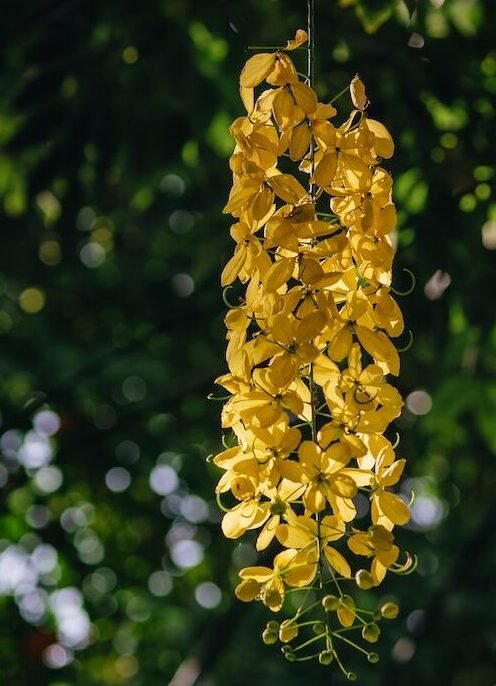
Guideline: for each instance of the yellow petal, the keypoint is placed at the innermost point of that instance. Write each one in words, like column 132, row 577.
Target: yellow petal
column 282, row 371
column 260, row 574
column 260, row 205
column 293, row 536
column 283, row 108
column 391, row 475
column 340, row 344
column 314, row 499
column 248, row 98
column 300, row 38
column 310, row 271
column 303, row 570
column 343, row 486
column 324, row 370
column 383, row 143
column 272, row 594
column 284, row 71
column 356, row 173
column 267, row 534
column 324, row 111
column 279, row 273
column 291, row 470
column 232, row 524
column 310, row 326
column 378, row 571
column 337, row 561
column 239, row 196
column 305, row 97
column 326, row 170
column 346, row 611
column 300, row 141
column 233, row 267
column 357, row 92
column 257, row 69
column 324, row 133
column 394, row 508
column 332, row 528
column 247, row 590
column 360, row 545
column 286, row 187
column 377, row 344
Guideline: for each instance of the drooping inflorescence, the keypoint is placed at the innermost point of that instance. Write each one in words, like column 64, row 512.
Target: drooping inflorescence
column 309, row 349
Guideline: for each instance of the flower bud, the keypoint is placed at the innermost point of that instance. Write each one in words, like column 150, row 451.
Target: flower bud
column 330, row 603
column 364, row 579
column 319, row 628
column 373, row 658
column 326, row 657
column 390, row 610
column 371, row 633
column 269, row 637
column 288, row 630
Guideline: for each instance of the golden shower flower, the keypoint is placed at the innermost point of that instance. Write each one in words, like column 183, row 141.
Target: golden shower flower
column 309, row 350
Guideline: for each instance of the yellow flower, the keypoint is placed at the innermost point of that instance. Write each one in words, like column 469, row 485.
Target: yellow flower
column 304, row 533
column 387, row 508
column 325, row 476
column 377, row 542
column 293, row 567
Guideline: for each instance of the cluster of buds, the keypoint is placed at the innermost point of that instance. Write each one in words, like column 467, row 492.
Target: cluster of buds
column 309, row 349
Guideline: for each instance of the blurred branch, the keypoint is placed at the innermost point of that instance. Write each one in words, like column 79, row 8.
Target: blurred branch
column 214, row 640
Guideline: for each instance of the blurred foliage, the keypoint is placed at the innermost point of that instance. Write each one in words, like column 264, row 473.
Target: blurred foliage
column 113, row 172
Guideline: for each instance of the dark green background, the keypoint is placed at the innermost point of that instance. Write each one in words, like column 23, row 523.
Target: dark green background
column 113, row 174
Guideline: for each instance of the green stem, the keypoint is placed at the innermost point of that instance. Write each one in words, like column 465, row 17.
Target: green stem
column 351, row 643
column 311, row 42
column 336, row 97
column 319, row 637
column 272, row 47
column 311, row 74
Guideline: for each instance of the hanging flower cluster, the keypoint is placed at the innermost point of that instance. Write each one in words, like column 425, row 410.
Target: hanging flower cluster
column 309, row 348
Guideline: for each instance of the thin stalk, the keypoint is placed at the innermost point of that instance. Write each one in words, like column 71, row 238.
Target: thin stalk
column 319, row 637
column 351, row 643
column 311, row 42
column 336, row 97
column 311, row 74
column 271, row 47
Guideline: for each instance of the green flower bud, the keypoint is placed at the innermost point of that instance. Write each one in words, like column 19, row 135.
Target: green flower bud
column 272, row 625
column 371, row 633
column 319, row 628
column 364, row 579
column 373, row 658
column 330, row 603
column 269, row 637
column 290, row 657
column 351, row 676
column 326, row 657
column 389, row 610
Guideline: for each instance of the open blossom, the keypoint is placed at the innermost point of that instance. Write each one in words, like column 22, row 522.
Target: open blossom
column 309, row 347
